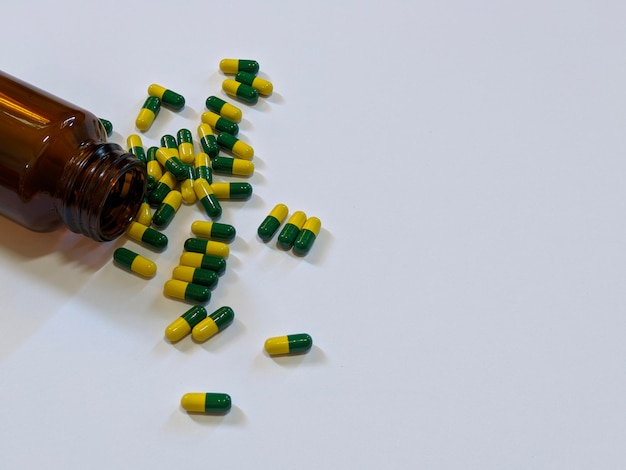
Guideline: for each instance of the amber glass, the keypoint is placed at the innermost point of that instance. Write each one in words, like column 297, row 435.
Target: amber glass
column 56, row 167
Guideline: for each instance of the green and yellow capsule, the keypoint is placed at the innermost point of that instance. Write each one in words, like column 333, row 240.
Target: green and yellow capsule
column 182, row 326
column 307, row 235
column 232, row 66
column 187, row 291
column 207, row 198
column 239, row 90
column 163, row 187
column 270, row 225
column 144, row 214
column 108, row 126
column 166, row 211
column 207, row 140
column 291, row 230
column 213, row 403
column 198, row 260
column 219, row 123
column 204, row 277
column 203, row 167
column 185, row 146
column 135, row 146
column 224, row 109
column 148, row 113
column 207, row 247
column 168, row 158
column 232, row 166
column 237, row 191
column 170, row 98
column 214, row 231
column 238, row 147
column 213, row 324
column 135, row 262
column 186, row 187
column 289, row 344
column 146, row 235
column 264, row 87
column 153, row 167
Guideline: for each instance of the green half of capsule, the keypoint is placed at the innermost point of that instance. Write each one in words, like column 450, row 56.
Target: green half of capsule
column 198, row 260
column 237, row 191
column 291, row 230
column 183, row 325
column 135, row 146
column 207, row 198
column 187, row 291
column 169, row 142
column 270, row 225
column 238, row 147
column 219, row 123
column 289, row 344
column 204, row 277
column 166, row 211
column 224, row 109
column 264, row 87
column 207, row 247
column 214, row 403
column 108, row 126
column 239, row 90
column 146, row 235
column 232, row 166
column 214, row 231
column 169, row 98
column 213, row 324
column 303, row 243
column 207, row 140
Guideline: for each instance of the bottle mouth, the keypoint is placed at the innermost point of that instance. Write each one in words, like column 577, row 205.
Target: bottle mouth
column 121, row 203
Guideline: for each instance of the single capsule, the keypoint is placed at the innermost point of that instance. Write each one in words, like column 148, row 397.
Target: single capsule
column 307, row 235
column 166, row 211
column 289, row 344
column 219, row 123
column 170, row 98
column 144, row 234
column 144, row 214
column 212, row 324
column 168, row 158
column 187, row 291
column 290, row 231
column 214, row 403
column 149, row 112
column 238, row 147
column 163, row 187
column 153, row 167
column 207, row 198
column 207, row 140
column 264, row 87
column 203, row 167
column 239, row 90
column 270, row 225
column 232, row 166
column 135, row 262
column 186, row 187
column 214, row 231
column 224, row 109
column 182, row 326
column 232, row 190
column 232, row 66
column 185, row 146
column 108, row 126
column 135, row 146
column 203, row 277
column 198, row 260
column 207, row 247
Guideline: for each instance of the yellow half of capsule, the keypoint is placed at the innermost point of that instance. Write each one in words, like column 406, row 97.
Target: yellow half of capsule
column 175, row 288
column 154, row 169
column 186, row 152
column 202, row 159
column 136, row 230
column 313, row 224
column 242, row 167
column 168, row 179
column 210, row 118
column 144, row 119
column 187, row 191
column 230, row 87
column 279, row 212
column 204, row 129
column 183, row 273
column 177, row 330
column 218, row 249
column 156, row 90
column 298, row 219
column 202, row 188
column 164, row 154
column 277, row 345
column 243, row 150
column 191, row 259
column 201, row 228
column 133, row 141
column 144, row 215
column 143, row 266
column 193, row 402
column 229, row 66
column 204, row 330
column 174, row 199
column 264, row 87
column 231, row 112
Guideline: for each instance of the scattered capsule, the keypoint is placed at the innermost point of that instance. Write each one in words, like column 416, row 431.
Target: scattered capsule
column 270, row 225
column 163, row 187
column 187, row 291
column 149, row 112
column 289, row 344
column 135, row 146
column 232, row 190
column 290, row 231
column 232, row 66
column 168, row 158
column 186, row 187
column 203, row 167
column 214, row 403
column 213, row 324
column 166, row 211
column 144, row 214
column 213, row 230
column 182, row 326
column 238, row 147
column 185, row 146
column 239, row 90
column 198, row 260
column 204, row 277
column 307, row 235
column 224, row 109
column 232, row 166
column 153, row 167
column 170, row 98
column 144, row 234
column 264, row 87
column 108, row 126
column 207, row 247
column 207, row 140
column 135, row 262
column 219, row 123
column 207, row 198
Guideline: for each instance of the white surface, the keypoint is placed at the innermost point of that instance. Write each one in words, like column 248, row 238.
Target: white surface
column 466, row 294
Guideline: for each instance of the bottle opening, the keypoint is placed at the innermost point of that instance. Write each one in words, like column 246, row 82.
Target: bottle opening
column 122, row 203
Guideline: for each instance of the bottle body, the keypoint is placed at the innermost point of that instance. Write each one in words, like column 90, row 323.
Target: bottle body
column 57, row 169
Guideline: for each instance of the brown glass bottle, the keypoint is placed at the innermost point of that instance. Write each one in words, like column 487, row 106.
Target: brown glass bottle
column 56, row 167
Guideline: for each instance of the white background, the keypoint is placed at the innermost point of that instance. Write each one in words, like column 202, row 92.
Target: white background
column 465, row 295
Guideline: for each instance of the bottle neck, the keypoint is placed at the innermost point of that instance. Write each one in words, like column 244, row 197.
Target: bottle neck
column 100, row 191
